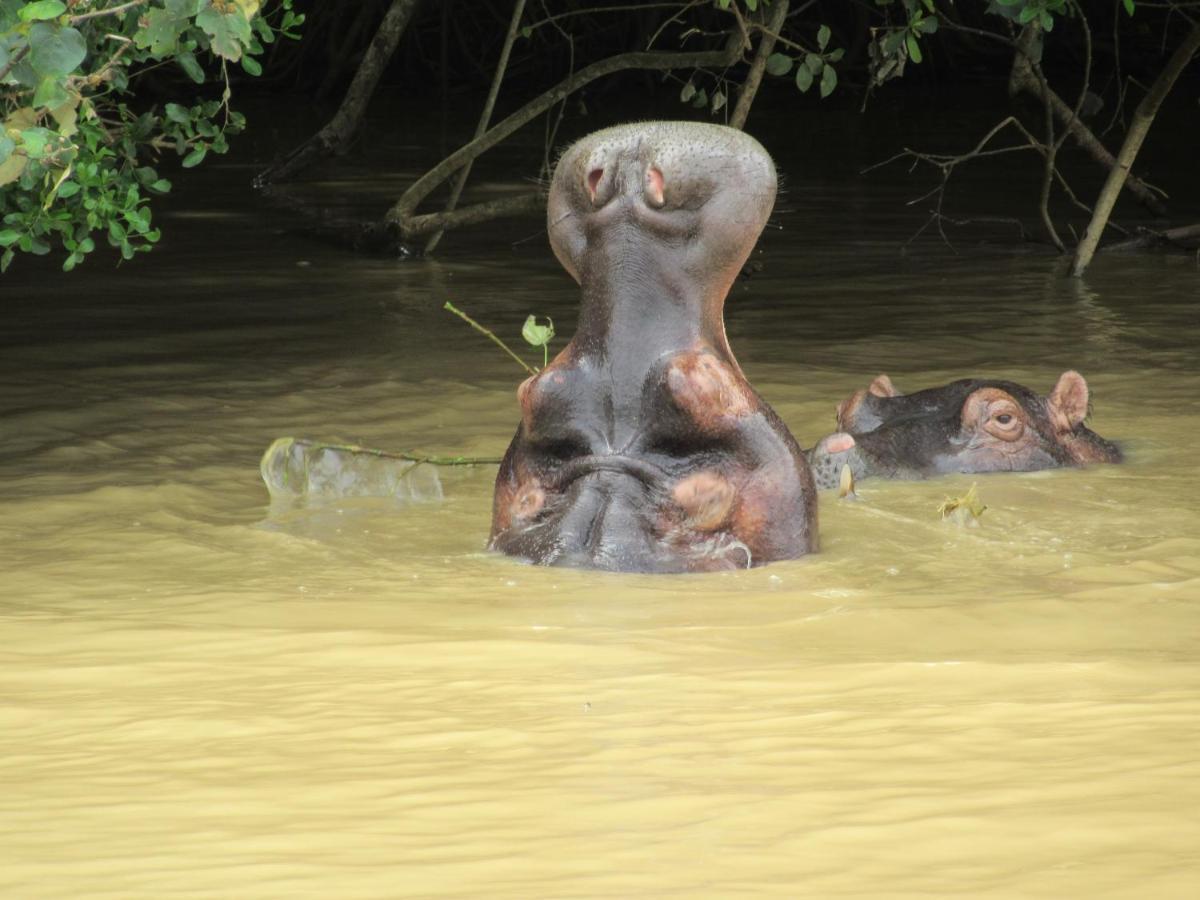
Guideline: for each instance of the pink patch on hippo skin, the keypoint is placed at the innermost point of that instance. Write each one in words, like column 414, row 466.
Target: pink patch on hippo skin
column 654, row 188
column 706, row 498
column 709, row 391
column 593, row 182
column 528, row 501
column 837, row 443
column 882, row 387
column 529, row 390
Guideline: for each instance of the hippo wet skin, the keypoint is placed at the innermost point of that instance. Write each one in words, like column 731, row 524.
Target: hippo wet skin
column 968, row 426
column 642, row 447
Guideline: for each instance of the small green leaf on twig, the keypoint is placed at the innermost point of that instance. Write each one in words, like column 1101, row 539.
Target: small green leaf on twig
column 965, row 510
column 539, row 336
column 492, row 336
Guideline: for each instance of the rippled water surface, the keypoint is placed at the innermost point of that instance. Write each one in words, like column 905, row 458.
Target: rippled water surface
column 206, row 696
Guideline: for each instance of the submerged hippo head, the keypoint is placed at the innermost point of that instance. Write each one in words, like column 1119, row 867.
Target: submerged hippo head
column 972, row 425
column 642, row 447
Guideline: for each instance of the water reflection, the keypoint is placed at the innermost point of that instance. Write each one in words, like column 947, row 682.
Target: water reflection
column 357, row 700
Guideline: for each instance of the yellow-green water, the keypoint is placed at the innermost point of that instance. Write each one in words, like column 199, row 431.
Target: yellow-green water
column 205, row 697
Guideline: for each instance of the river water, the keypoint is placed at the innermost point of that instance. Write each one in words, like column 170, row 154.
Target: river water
column 205, row 695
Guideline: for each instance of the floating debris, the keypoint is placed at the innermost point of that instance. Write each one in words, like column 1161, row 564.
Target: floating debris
column 846, row 484
column 964, row 510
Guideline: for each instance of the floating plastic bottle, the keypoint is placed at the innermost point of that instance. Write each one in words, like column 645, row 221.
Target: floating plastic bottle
column 301, row 469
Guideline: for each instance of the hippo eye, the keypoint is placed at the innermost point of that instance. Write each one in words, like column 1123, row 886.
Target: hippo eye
column 1005, row 425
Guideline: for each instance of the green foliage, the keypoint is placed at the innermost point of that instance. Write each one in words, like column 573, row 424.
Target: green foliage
column 1025, row 11
column 77, row 153
column 815, row 66
column 539, row 336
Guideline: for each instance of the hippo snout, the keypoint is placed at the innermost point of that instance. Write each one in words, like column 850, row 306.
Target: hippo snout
column 828, row 457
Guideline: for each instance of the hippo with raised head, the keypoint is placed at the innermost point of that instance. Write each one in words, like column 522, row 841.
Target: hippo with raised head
column 642, row 447
column 967, row 426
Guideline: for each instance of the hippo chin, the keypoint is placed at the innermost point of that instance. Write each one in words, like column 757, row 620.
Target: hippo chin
column 967, row 426
column 642, row 447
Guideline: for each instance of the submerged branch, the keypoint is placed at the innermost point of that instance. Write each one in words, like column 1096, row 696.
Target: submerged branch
column 484, row 118
column 1143, row 118
column 401, row 213
column 335, row 137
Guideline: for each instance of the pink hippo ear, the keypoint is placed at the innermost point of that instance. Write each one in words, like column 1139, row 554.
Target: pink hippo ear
column 882, row 387
column 1068, row 401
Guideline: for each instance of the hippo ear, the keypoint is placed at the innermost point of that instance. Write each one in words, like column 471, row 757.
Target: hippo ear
column 882, row 387
column 1069, row 401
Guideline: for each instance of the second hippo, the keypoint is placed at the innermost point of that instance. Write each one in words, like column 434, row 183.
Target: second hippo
column 967, row 426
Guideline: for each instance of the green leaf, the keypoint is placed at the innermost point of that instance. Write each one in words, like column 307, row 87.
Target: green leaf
column 537, row 335
column 823, row 36
column 252, row 65
column 196, row 157
column 814, row 63
column 68, row 189
column 804, row 78
column 1047, row 21
column 42, row 10
column 828, row 81
column 229, row 32
column 751, row 5
column 187, row 62
column 178, row 114
column 8, row 236
column 779, row 64
column 701, row 99
column 914, row 48
column 1128, row 4
column 49, row 93
column 162, row 28
column 891, row 41
column 1028, row 14
column 160, row 187
column 835, row 55
column 35, row 141
column 6, row 261
column 55, row 51
column 688, row 92
column 928, row 26
column 718, row 101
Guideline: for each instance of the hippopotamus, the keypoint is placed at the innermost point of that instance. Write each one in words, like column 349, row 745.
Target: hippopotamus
column 967, row 426
column 641, row 446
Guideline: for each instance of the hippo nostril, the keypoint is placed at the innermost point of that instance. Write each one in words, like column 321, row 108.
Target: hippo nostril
column 654, row 187
column 593, row 182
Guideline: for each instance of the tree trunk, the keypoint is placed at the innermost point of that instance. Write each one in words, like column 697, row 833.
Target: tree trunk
column 402, row 214
column 766, row 43
column 1143, row 118
column 484, row 118
column 335, row 136
column 1022, row 78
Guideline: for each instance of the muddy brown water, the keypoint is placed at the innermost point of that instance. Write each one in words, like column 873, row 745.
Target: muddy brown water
column 205, row 696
